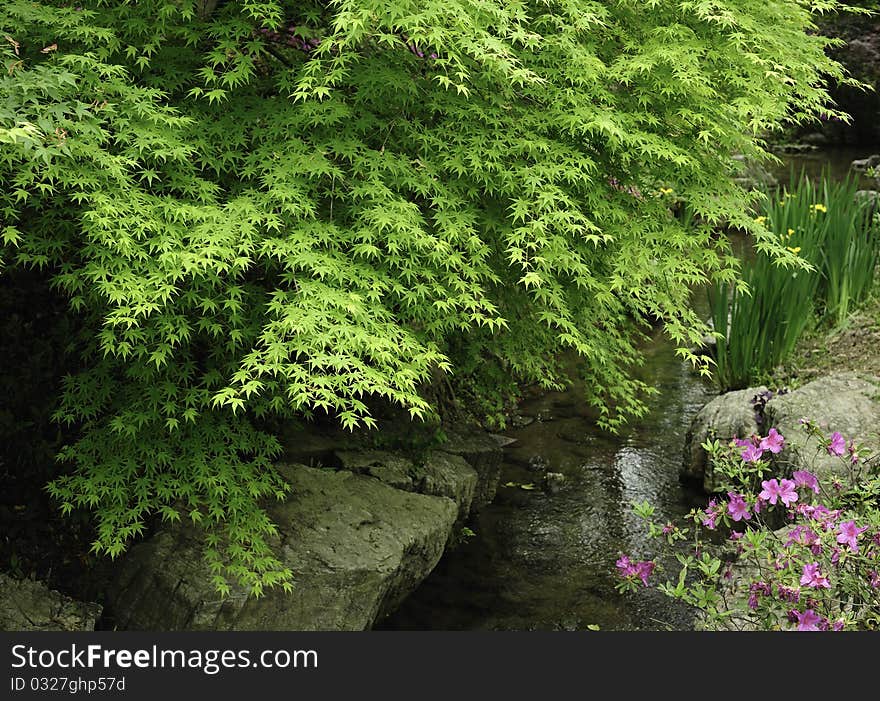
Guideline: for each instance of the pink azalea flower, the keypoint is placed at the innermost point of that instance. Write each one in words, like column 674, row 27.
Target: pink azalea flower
column 712, row 514
column 849, row 533
column 737, row 507
column 774, row 442
column 644, row 569
column 761, row 587
column 853, row 453
column 625, row 566
column 813, row 577
column 824, row 516
column 630, row 568
column 752, row 453
column 874, row 579
column 790, row 594
column 787, row 492
column 770, row 491
column 803, row 478
column 796, row 537
column 837, row 445
column 783, row 491
column 808, row 620
column 801, row 535
column 756, row 589
column 838, row 625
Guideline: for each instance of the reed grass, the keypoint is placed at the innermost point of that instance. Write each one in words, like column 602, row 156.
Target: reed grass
column 824, row 223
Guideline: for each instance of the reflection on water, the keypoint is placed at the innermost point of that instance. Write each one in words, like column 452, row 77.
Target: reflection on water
column 837, row 162
column 544, row 561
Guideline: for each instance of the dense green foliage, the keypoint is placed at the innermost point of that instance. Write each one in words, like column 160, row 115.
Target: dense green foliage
column 759, row 325
column 845, row 247
column 834, row 232
column 269, row 208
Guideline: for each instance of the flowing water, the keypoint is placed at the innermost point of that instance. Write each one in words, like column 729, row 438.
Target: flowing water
column 542, row 560
column 835, row 161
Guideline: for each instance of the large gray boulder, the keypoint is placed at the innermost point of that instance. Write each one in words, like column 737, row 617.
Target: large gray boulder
column 28, row 605
column 729, row 415
column 869, row 199
column 446, row 475
column 392, row 469
column 438, row 474
column 483, row 453
column 334, row 447
column 843, row 402
column 356, row 547
column 863, row 164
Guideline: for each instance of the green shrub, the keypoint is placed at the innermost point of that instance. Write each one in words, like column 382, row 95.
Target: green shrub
column 802, row 546
column 759, row 326
column 836, row 233
column 275, row 208
column 761, row 320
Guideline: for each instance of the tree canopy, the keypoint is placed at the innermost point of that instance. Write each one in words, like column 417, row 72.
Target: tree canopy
column 274, row 208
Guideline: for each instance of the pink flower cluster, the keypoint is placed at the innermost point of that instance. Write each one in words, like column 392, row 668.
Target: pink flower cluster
column 837, row 446
column 802, row 478
column 712, row 512
column 849, row 533
column 813, row 577
column 805, row 537
column 757, row 589
column 790, row 594
column 826, row 548
column 737, row 507
column 755, row 446
column 810, row 620
column 773, row 491
column 635, row 568
column 824, row 517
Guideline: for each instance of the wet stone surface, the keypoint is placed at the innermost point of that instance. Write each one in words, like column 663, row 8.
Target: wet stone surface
column 543, row 556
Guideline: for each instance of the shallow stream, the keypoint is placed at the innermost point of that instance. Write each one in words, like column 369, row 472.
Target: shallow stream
column 544, row 560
